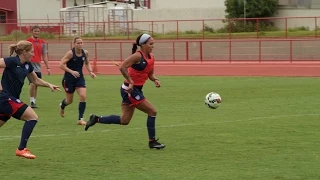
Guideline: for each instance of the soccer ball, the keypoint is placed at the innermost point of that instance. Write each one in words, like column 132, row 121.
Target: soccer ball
column 212, row 100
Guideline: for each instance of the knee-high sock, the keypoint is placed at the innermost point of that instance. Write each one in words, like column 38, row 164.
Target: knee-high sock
column 26, row 132
column 151, row 123
column 112, row 119
column 82, row 108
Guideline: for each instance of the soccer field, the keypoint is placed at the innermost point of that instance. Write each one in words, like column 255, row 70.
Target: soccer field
column 266, row 128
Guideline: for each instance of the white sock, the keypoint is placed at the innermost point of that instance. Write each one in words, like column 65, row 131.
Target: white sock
column 32, row 99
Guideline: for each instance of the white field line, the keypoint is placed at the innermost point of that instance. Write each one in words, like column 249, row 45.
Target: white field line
column 4, row 138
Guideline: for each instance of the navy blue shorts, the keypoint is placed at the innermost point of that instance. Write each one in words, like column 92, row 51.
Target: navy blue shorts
column 11, row 107
column 38, row 74
column 70, row 85
column 134, row 98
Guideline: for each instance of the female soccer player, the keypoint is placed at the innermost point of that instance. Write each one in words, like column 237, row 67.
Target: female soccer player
column 16, row 69
column 73, row 79
column 136, row 69
column 40, row 51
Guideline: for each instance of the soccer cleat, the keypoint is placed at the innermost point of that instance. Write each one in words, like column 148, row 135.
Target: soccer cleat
column 61, row 111
column 92, row 121
column 81, row 122
column 33, row 105
column 25, row 153
column 154, row 144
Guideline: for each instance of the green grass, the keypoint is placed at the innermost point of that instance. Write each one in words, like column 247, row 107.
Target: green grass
column 175, row 35
column 266, row 128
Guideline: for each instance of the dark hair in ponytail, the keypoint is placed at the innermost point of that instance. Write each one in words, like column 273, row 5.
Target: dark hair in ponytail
column 134, row 48
column 136, row 44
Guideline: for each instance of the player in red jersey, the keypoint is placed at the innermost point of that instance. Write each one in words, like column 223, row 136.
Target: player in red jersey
column 136, row 69
column 40, row 52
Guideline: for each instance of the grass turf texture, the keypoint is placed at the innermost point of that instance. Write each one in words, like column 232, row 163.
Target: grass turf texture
column 265, row 128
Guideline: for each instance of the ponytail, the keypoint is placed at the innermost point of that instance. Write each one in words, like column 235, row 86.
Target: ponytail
column 20, row 47
column 134, row 48
column 12, row 49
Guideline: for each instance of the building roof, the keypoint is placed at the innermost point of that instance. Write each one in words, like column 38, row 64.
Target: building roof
column 5, row 9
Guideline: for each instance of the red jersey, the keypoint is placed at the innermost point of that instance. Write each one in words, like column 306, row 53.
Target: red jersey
column 139, row 73
column 39, row 47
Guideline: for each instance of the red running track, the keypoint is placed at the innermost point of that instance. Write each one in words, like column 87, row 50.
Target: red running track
column 297, row 68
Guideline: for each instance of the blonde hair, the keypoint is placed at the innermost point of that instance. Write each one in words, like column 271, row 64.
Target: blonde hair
column 20, row 47
column 76, row 38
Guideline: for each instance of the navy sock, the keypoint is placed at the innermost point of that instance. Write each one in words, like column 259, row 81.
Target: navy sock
column 151, row 123
column 63, row 104
column 82, row 108
column 26, row 132
column 112, row 119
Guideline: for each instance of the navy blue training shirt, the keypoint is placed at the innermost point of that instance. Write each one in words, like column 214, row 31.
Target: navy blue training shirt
column 14, row 75
column 76, row 63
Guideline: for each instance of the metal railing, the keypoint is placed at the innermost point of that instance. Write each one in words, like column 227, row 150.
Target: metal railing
column 254, row 50
column 277, row 27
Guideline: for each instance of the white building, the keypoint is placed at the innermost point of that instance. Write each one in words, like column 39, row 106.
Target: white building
column 55, row 16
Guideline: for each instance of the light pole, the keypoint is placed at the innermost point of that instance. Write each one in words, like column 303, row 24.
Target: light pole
column 244, row 11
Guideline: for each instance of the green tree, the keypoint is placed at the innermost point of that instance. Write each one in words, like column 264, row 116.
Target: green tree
column 253, row 8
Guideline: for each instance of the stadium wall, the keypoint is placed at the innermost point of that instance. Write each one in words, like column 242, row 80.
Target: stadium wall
column 47, row 11
column 298, row 22
column 178, row 14
column 40, row 11
column 181, row 4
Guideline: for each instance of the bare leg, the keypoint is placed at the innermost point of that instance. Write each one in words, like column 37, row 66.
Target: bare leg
column 67, row 101
column 127, row 113
column 2, row 123
column 33, row 95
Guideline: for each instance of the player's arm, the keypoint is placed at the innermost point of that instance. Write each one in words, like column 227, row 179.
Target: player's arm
column 2, row 63
column 88, row 65
column 39, row 82
column 86, row 62
column 63, row 64
column 64, row 60
column 8, row 62
column 133, row 59
column 45, row 56
column 153, row 78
